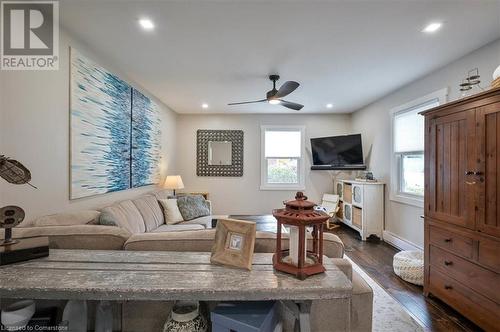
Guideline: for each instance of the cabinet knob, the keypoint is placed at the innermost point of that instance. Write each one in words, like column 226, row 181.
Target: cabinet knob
column 448, row 287
column 447, row 263
column 448, row 240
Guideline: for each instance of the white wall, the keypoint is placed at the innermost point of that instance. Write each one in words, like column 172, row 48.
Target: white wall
column 242, row 195
column 374, row 122
column 34, row 128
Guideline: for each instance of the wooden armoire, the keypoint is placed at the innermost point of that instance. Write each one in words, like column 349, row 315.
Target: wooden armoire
column 462, row 206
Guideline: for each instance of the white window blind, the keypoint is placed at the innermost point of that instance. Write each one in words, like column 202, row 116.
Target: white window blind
column 409, row 128
column 282, row 144
column 282, row 157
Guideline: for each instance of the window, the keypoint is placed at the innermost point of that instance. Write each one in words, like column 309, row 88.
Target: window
column 407, row 169
column 282, row 166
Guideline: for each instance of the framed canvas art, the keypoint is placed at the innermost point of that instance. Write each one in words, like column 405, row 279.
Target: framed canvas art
column 146, row 140
column 115, row 132
column 100, row 112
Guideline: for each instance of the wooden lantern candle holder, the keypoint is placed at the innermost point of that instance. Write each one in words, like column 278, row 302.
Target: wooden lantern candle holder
column 299, row 214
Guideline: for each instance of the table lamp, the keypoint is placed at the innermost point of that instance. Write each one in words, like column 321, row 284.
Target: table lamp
column 173, row 182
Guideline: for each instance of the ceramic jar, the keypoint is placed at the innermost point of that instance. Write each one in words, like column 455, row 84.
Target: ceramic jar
column 186, row 317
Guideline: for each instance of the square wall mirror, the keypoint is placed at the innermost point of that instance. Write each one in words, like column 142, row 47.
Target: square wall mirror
column 220, row 153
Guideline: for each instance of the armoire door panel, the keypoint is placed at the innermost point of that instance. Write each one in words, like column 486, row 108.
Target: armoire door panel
column 488, row 195
column 451, row 156
column 462, row 206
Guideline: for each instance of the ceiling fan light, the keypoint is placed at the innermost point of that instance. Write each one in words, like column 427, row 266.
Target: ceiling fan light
column 274, row 101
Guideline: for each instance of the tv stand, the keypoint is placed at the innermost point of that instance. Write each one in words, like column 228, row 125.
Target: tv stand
column 338, row 167
column 361, row 206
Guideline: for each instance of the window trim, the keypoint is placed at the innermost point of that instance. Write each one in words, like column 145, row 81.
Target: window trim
column 399, row 170
column 395, row 193
column 264, row 185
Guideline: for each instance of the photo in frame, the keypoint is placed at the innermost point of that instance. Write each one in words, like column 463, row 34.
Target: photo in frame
column 234, row 243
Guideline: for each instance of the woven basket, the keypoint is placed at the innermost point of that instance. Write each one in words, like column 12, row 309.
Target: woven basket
column 496, row 83
column 409, row 266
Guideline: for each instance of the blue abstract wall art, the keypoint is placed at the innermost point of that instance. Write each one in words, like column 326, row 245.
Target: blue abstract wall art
column 146, row 140
column 115, row 141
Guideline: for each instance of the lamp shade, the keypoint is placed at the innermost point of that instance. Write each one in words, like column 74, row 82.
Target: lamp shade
column 173, row 182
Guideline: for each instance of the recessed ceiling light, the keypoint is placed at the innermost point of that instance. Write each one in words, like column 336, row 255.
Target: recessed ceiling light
column 274, row 101
column 329, row 105
column 146, row 24
column 204, row 105
column 433, row 27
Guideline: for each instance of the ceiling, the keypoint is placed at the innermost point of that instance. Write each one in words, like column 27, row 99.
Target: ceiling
column 348, row 53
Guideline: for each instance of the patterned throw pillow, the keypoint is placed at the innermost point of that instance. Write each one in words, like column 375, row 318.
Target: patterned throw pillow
column 107, row 219
column 193, row 207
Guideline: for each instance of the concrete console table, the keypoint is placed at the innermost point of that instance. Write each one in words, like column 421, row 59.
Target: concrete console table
column 165, row 276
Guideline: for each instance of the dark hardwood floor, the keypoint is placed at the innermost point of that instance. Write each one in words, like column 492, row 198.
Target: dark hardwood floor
column 375, row 257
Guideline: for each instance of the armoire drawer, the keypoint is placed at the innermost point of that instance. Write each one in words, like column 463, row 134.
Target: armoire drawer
column 479, row 309
column 459, row 244
column 489, row 254
column 481, row 280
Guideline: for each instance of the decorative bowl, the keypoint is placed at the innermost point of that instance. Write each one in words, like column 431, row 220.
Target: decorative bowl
column 496, row 73
column 18, row 314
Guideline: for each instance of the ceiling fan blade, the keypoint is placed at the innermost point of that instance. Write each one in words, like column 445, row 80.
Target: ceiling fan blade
column 249, row 102
column 293, row 106
column 287, row 88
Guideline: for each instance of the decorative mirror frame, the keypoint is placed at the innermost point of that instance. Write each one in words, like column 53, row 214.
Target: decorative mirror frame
column 203, row 136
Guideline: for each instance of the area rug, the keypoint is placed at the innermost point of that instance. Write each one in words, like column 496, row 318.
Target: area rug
column 388, row 314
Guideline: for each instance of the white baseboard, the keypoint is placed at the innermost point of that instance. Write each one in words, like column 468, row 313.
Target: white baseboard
column 400, row 243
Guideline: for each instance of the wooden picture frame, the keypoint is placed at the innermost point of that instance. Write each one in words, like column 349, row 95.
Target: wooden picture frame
column 234, row 243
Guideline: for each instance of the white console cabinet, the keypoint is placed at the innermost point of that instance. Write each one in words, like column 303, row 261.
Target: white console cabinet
column 361, row 206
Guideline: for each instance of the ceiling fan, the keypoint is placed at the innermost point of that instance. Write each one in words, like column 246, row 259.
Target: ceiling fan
column 274, row 96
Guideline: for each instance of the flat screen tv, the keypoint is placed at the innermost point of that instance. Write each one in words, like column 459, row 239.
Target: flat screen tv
column 337, row 151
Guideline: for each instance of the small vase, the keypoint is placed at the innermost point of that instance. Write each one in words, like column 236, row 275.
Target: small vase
column 186, row 317
column 104, row 317
column 74, row 316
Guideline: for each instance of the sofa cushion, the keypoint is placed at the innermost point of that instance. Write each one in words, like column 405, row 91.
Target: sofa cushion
column 198, row 240
column 344, row 265
column 92, row 237
column 178, row 228
column 69, row 218
column 150, row 211
column 171, row 211
column 204, row 240
column 205, row 221
column 193, row 206
column 361, row 304
column 126, row 215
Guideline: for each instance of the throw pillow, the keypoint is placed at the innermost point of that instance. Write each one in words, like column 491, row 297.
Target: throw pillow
column 107, row 219
column 68, row 219
column 192, row 207
column 171, row 211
